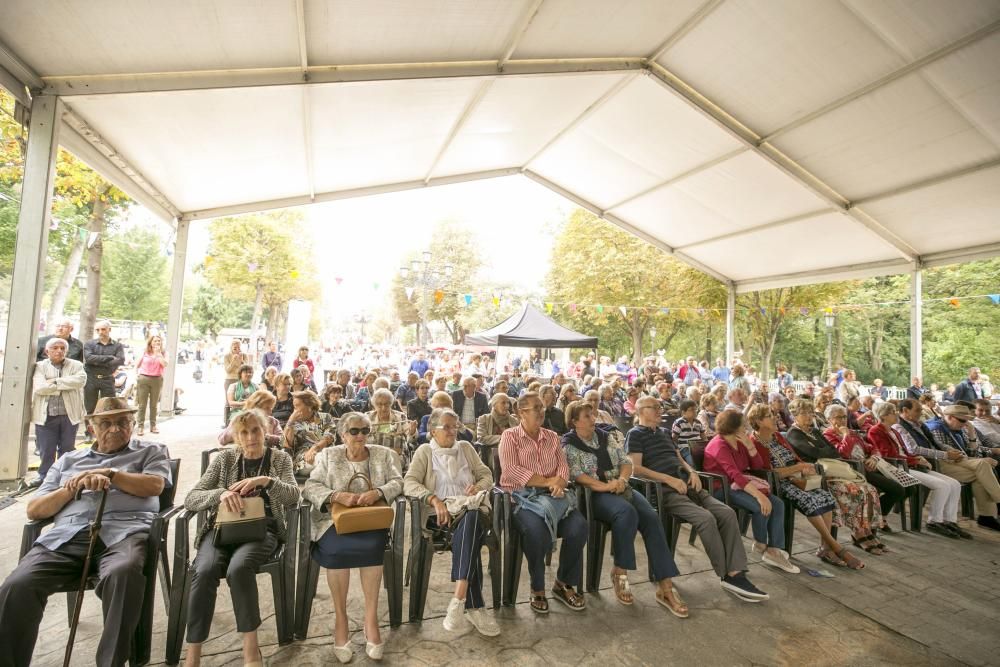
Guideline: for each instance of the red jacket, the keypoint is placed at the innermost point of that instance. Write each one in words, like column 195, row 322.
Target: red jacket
column 888, row 444
column 845, row 444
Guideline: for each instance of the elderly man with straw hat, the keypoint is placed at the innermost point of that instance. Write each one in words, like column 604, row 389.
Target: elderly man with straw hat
column 134, row 473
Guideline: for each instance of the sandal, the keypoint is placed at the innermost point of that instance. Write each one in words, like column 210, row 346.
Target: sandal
column 673, row 602
column 828, row 556
column 140, row 432
column 568, row 596
column 621, row 586
column 153, row 429
column 868, row 543
column 539, row 604
column 850, row 559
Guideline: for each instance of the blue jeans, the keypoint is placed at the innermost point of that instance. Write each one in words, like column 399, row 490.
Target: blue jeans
column 767, row 529
column 536, row 541
column 628, row 517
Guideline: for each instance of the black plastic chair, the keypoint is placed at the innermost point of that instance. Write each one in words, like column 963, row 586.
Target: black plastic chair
column 280, row 567
column 155, row 567
column 308, row 570
column 422, row 550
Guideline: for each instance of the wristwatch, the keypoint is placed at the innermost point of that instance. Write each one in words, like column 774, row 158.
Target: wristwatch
column 111, row 474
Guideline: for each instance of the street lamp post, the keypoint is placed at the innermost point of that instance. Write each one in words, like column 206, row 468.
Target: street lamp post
column 423, row 275
column 829, row 319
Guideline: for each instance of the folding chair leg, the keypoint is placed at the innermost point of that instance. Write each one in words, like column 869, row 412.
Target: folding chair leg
column 177, row 616
column 279, row 589
column 309, row 579
column 495, row 568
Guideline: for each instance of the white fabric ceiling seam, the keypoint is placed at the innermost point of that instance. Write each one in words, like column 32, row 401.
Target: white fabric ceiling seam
column 881, row 82
column 470, row 106
column 927, row 182
column 520, row 28
column 689, row 24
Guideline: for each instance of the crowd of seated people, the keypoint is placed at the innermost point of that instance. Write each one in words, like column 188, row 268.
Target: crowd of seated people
column 818, row 451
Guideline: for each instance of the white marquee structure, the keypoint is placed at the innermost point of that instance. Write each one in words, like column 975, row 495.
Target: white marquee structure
column 765, row 142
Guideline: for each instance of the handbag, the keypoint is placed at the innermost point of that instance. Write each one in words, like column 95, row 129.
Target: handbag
column 807, row 482
column 359, row 519
column 897, row 475
column 840, row 471
column 247, row 525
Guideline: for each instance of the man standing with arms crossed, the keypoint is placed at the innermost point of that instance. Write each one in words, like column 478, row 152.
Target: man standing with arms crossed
column 101, row 358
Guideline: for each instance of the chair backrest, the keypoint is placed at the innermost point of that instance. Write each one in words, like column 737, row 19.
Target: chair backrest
column 698, row 455
column 170, row 490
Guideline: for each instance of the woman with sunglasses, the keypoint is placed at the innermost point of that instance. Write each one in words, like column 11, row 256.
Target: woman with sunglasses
column 330, row 482
column 453, row 485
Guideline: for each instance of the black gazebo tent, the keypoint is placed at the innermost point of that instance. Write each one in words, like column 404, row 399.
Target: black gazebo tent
column 530, row 328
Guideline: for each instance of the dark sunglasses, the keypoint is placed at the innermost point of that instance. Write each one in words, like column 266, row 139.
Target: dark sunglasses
column 364, row 430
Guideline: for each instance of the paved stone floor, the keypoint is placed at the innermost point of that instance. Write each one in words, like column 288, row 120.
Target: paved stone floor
column 933, row 601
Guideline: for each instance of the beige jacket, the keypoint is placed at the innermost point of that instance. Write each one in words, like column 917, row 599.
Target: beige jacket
column 48, row 381
column 232, row 363
column 332, row 473
column 420, row 480
column 488, row 431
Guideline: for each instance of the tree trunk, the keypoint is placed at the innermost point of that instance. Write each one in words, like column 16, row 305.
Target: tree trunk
column 272, row 322
column 65, row 283
column 637, row 325
column 258, row 308
column 708, row 343
column 675, row 329
column 95, row 254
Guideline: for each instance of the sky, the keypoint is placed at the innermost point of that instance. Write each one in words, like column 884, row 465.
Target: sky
column 364, row 240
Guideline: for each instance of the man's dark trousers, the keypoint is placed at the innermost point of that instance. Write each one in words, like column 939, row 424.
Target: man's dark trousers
column 42, row 571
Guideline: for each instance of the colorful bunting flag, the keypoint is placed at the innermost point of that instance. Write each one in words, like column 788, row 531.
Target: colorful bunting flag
column 409, row 292
column 803, row 311
column 340, row 280
column 954, row 302
column 438, row 296
column 294, row 274
column 468, row 299
column 623, row 311
column 600, row 308
column 995, row 298
column 572, row 308
column 496, row 301
column 548, row 307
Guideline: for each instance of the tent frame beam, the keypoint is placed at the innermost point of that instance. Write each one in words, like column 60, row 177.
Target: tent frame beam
column 470, row 107
column 153, row 82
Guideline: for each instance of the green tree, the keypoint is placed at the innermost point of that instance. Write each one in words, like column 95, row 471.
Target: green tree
column 136, row 271
column 596, row 263
column 211, row 311
column 259, row 257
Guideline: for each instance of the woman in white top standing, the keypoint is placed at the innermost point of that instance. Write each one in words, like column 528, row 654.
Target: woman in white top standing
column 454, row 485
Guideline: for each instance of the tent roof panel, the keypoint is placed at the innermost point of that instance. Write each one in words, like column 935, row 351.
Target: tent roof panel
column 675, row 216
column 348, row 32
column 758, row 255
column 955, row 214
column 584, row 28
column 193, row 146
column 918, row 27
column 518, row 116
column 66, row 38
column 382, row 132
column 899, row 134
column 750, row 191
column 771, row 62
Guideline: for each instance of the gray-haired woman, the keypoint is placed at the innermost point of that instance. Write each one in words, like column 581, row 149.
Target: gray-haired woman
column 330, row 482
column 249, row 469
column 450, row 479
column 491, row 426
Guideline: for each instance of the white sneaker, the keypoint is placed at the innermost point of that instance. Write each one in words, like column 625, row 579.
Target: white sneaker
column 455, row 618
column 780, row 562
column 483, row 622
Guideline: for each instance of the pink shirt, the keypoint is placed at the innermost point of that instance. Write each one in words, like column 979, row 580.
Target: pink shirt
column 720, row 457
column 150, row 365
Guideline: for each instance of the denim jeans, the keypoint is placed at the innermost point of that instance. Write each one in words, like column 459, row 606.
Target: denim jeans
column 626, row 517
column 767, row 529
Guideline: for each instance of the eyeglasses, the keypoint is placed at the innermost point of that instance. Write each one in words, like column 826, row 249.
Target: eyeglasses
column 364, row 430
column 107, row 424
column 451, row 427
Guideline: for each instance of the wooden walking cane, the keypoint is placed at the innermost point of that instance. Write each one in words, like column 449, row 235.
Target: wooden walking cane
column 95, row 532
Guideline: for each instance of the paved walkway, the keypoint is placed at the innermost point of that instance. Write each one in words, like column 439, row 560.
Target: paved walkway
column 932, row 601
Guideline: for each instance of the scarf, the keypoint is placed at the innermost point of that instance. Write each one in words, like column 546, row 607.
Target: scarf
column 597, row 447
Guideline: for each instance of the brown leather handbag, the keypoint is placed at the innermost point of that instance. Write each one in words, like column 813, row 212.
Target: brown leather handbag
column 359, row 519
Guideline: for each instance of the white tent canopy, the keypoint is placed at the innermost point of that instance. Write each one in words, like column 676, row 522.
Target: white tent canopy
column 765, row 142
column 722, row 131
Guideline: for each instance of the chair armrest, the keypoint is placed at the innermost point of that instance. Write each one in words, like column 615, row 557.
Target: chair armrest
column 585, row 503
column 206, row 457
column 182, row 547
column 32, row 531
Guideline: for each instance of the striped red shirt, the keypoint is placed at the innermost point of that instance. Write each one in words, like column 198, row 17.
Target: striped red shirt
column 521, row 457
